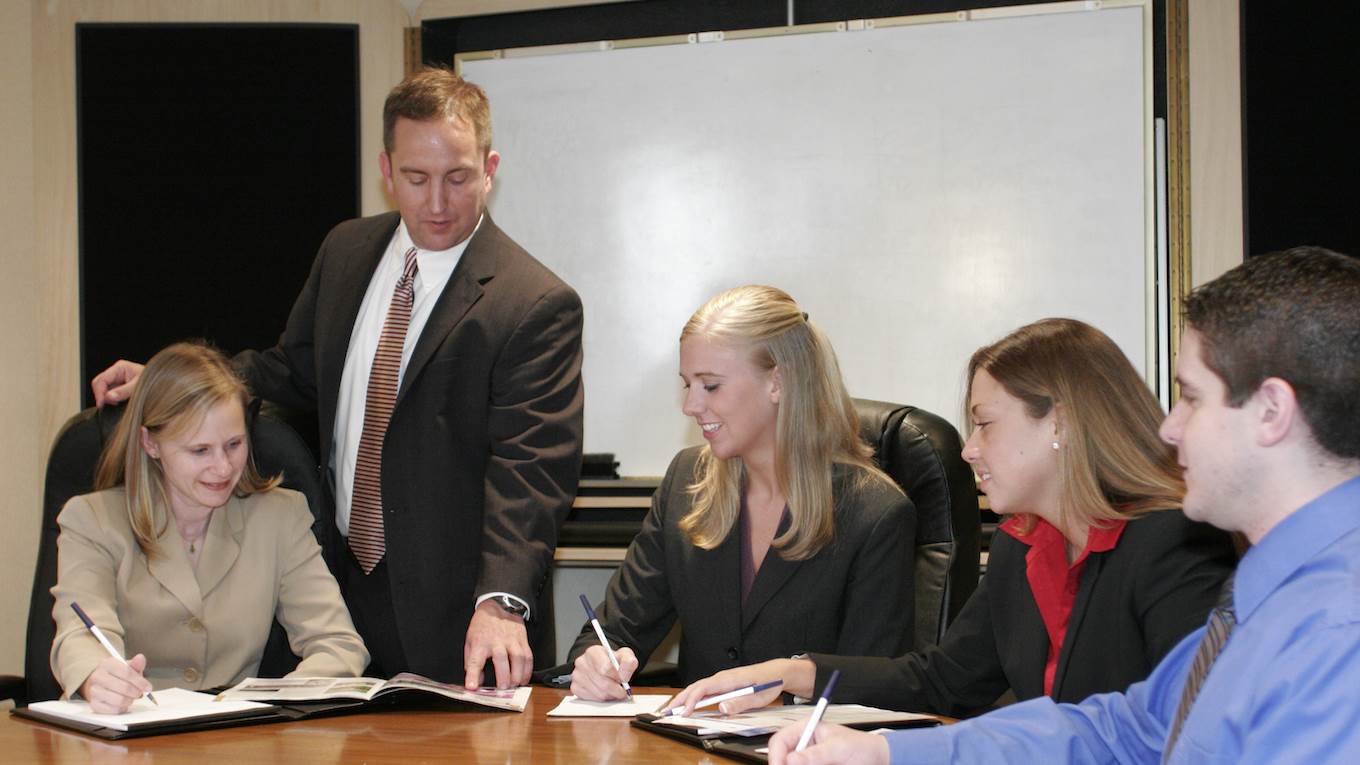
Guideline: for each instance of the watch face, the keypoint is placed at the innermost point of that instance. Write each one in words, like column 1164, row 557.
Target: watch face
column 512, row 606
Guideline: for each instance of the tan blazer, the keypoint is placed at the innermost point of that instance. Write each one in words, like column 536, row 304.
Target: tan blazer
column 204, row 627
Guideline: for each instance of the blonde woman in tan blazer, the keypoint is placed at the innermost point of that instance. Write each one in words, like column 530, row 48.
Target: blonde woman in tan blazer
column 186, row 553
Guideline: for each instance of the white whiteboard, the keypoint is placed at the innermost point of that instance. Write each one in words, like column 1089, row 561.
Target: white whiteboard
column 921, row 190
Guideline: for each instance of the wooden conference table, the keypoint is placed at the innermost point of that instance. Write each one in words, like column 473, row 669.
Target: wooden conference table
column 388, row 736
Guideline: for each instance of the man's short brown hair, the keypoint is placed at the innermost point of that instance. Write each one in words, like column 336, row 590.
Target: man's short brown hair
column 438, row 93
column 1294, row 315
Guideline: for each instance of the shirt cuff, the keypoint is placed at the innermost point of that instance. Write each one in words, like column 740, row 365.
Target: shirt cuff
column 527, row 611
column 920, row 747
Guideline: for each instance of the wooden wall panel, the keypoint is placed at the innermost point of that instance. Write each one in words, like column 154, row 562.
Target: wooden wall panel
column 1215, row 139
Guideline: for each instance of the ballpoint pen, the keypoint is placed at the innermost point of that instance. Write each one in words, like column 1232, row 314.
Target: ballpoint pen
column 709, row 701
column 89, row 625
column 817, row 712
column 604, row 641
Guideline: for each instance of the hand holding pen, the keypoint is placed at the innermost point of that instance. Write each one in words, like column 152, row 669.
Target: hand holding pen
column 590, row 679
column 115, row 683
column 709, row 701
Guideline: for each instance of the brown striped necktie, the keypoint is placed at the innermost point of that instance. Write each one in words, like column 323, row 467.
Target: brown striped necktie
column 1221, row 623
column 365, row 516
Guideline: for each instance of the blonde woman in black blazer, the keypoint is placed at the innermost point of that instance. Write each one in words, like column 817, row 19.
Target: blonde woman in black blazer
column 1064, row 442
column 779, row 535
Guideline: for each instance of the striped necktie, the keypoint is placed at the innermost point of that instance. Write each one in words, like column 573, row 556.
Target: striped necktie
column 366, row 538
column 1221, row 623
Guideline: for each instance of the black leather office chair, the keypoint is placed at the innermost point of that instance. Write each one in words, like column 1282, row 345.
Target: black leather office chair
column 70, row 471
column 921, row 451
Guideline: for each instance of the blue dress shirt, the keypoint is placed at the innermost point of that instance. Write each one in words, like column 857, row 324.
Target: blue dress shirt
column 1285, row 689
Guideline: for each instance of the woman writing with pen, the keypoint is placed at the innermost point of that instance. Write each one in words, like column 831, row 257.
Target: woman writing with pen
column 1094, row 574
column 186, row 553
column 779, row 534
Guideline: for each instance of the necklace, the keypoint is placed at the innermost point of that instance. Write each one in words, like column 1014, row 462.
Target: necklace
column 194, row 543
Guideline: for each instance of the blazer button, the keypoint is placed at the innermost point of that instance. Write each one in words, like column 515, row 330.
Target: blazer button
column 195, row 625
column 190, row 675
column 732, row 654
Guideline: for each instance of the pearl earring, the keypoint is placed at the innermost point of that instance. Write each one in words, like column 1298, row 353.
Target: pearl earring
column 1055, row 446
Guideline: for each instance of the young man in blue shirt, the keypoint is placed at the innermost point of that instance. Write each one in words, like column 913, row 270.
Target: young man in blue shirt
column 1268, row 430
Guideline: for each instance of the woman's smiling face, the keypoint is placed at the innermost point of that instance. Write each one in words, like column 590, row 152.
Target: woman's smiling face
column 735, row 403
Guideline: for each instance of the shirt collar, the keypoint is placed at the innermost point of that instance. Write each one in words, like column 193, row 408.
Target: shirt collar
column 1294, row 541
column 1101, row 538
column 434, row 266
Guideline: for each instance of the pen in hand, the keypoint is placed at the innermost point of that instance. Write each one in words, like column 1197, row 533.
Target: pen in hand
column 99, row 635
column 604, row 641
column 721, row 697
column 817, row 712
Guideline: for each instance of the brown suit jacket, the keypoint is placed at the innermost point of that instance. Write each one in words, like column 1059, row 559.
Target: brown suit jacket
column 483, row 452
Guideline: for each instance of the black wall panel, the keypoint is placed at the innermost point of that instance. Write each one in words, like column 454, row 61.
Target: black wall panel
column 212, row 161
column 1299, row 128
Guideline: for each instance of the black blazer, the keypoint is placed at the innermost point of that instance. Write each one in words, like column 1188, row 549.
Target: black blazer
column 483, row 452
column 853, row 596
column 1133, row 605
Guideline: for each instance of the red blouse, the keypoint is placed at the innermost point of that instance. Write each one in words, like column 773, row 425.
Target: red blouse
column 1052, row 580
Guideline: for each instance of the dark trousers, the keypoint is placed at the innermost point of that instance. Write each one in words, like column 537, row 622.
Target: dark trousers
column 369, row 598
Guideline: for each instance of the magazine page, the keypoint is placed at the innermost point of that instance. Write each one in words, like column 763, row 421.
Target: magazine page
column 515, row 700
column 277, row 690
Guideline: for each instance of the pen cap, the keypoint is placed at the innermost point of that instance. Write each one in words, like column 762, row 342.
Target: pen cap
column 81, row 613
column 590, row 612
column 831, row 684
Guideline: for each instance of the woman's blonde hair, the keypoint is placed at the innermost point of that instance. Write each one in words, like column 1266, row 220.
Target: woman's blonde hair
column 1113, row 463
column 173, row 394
column 816, row 425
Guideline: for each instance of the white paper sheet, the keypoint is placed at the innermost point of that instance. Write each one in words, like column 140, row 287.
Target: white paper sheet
column 175, row 704
column 640, row 704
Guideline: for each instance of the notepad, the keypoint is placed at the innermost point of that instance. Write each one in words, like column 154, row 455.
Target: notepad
column 176, row 704
column 640, row 704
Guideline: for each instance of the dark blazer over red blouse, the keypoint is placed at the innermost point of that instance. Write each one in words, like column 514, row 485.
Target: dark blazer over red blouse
column 1134, row 604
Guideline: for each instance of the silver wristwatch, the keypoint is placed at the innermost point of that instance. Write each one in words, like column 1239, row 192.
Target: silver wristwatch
column 511, row 605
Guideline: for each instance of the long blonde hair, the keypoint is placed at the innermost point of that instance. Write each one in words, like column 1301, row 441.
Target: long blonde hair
column 1113, row 464
column 175, row 391
column 816, row 426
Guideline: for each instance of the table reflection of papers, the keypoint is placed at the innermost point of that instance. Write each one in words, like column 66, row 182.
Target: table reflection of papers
column 769, row 719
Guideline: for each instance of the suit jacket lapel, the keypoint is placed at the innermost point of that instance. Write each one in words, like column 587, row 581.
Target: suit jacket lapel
column 171, row 568
column 722, row 582
column 1094, row 564
column 1029, row 637
column 343, row 300
column 221, row 545
column 475, row 268
column 774, row 573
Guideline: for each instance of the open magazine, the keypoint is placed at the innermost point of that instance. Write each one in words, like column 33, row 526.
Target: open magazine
column 288, row 690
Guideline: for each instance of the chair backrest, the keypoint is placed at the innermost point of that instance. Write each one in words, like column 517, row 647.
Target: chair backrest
column 70, row 472
column 921, row 451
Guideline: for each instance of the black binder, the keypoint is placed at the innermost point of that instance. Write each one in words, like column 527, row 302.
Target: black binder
column 744, row 748
column 214, row 721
